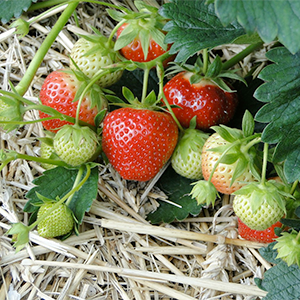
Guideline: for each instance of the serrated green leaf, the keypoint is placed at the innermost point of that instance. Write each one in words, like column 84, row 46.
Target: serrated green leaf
column 57, row 183
column 281, row 92
column 13, row 8
column 280, row 281
column 177, row 189
column 271, row 19
column 197, row 28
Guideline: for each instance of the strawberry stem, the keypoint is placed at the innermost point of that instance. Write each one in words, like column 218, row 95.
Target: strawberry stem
column 25, row 82
column 68, row 195
column 205, row 61
column 161, row 74
column 265, row 162
column 145, row 83
column 13, row 155
column 241, row 55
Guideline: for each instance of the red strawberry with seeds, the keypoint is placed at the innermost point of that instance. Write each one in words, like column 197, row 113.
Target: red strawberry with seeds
column 58, row 91
column 138, row 142
column 262, row 236
column 204, row 99
column 134, row 51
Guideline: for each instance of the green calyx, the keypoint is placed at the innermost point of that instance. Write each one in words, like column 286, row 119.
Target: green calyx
column 149, row 102
column 240, row 149
column 204, row 192
column 288, row 247
column 213, row 71
column 260, row 193
column 146, row 24
column 11, row 113
column 101, row 44
column 193, row 139
column 75, row 144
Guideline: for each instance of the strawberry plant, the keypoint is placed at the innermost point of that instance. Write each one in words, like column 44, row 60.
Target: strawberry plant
column 151, row 127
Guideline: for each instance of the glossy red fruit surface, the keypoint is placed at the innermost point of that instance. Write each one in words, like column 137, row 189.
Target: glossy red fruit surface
column 210, row 104
column 262, row 236
column 58, row 91
column 138, row 142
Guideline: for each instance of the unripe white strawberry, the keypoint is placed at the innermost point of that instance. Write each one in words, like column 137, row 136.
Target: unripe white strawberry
column 258, row 205
column 186, row 159
column 58, row 222
column 75, row 145
column 91, row 54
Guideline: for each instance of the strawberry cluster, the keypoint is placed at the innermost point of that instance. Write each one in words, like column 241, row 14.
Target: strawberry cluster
column 186, row 123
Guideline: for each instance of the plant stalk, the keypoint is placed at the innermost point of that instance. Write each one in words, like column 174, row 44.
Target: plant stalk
column 25, row 82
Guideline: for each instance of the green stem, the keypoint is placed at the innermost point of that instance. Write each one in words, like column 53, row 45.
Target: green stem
column 45, row 4
column 241, row 55
column 161, row 95
column 32, row 158
column 114, row 30
column 25, row 82
column 265, row 162
column 145, row 83
column 205, row 61
column 67, row 196
column 76, row 182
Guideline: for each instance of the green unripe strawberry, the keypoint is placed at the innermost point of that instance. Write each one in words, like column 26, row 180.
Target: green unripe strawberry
column 258, row 205
column 90, row 54
column 57, row 223
column 46, row 151
column 75, row 145
column 186, row 159
column 288, row 247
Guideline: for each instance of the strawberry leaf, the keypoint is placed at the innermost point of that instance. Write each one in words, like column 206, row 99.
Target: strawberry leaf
column 177, row 189
column 201, row 23
column 58, row 182
column 13, row 8
column 281, row 92
column 280, row 281
column 271, row 19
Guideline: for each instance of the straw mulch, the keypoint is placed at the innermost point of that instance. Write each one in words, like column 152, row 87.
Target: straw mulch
column 118, row 254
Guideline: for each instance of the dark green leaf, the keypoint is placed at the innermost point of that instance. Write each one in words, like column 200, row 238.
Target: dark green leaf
column 271, row 19
column 281, row 91
column 280, row 281
column 58, row 182
column 13, row 8
column 177, row 188
column 194, row 26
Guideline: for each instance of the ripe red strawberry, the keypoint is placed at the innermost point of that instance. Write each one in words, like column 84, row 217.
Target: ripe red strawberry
column 138, row 142
column 134, row 51
column 262, row 236
column 140, row 37
column 58, row 91
column 204, row 99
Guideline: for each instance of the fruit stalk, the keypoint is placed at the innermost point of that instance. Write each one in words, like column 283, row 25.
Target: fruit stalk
column 160, row 74
column 241, row 55
column 23, row 85
column 67, row 196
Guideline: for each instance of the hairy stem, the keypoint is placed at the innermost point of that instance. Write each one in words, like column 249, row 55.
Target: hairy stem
column 161, row 95
column 241, row 55
column 25, row 82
